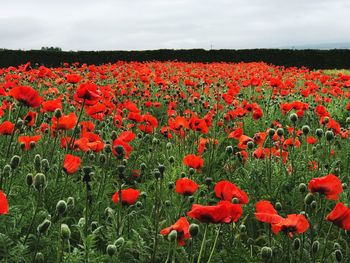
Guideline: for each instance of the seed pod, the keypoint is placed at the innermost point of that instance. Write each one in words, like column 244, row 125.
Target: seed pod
column 111, row 250
column 315, row 246
column 44, row 226
column 15, row 160
column 39, row 181
column 309, row 198
column 338, row 255
column 65, row 232
column 266, row 253
column 61, row 207
column 172, row 236
column 296, row 243
column 194, row 230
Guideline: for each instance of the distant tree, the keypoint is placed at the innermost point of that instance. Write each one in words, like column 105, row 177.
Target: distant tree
column 51, row 49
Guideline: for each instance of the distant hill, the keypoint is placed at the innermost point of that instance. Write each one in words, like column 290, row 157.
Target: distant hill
column 345, row 45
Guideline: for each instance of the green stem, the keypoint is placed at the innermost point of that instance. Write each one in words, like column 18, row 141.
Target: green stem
column 203, row 243
column 13, row 132
column 214, row 246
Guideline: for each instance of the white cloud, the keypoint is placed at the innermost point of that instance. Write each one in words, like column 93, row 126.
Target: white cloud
column 154, row 24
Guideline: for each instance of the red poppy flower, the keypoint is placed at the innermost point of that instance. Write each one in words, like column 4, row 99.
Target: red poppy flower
column 185, row 186
column 266, row 213
column 65, row 122
column 73, row 78
column 71, row 163
column 26, row 95
column 6, row 128
column 88, row 92
column 193, row 161
column 294, row 223
column 26, row 140
column 329, row 185
column 224, row 212
column 123, row 140
column 51, row 105
column 340, row 216
column 129, row 196
column 30, row 118
column 182, row 227
column 4, row 206
column 226, row 190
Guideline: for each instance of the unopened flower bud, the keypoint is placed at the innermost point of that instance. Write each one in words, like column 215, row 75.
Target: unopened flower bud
column 61, row 207
column 44, row 226
column 266, row 253
column 111, row 250
column 15, row 160
column 65, row 232
column 194, row 230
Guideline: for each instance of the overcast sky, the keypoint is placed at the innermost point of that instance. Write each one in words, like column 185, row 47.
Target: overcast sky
column 155, row 24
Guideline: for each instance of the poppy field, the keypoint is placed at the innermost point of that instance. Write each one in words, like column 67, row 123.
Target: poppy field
column 174, row 162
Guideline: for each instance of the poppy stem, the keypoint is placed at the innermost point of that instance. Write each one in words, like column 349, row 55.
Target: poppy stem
column 76, row 125
column 325, row 243
column 13, row 131
column 214, row 245
column 203, row 244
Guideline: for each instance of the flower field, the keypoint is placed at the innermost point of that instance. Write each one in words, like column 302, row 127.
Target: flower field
column 174, row 162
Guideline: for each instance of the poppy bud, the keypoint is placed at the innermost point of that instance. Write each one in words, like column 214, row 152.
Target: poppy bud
column 121, row 169
column 39, row 181
column 91, row 157
column 329, row 135
column 120, row 151
column 315, row 247
column 235, row 200
column 266, row 253
column 313, row 205
column 250, row 145
column 271, row 132
column 309, row 198
column 15, row 160
column 242, row 228
column 191, row 199
column 171, row 159
column 338, row 255
column 29, row 179
column 194, row 230
column 19, row 124
column 155, row 141
column 119, row 242
column 102, row 159
column 347, row 120
column 319, row 133
column 208, row 181
column 61, row 207
column 172, row 236
column 138, row 204
column 191, row 171
column 81, row 222
column 143, row 166
column 302, row 188
column 280, row 132
column 108, row 148
column 305, row 129
column 345, row 186
column 161, row 168
column 325, row 120
column 111, row 250
column 44, row 226
column 7, row 170
column 65, row 232
column 293, row 117
column 58, row 113
column 39, row 258
column 183, row 174
column 296, row 243
column 229, row 149
column 37, row 163
column 70, row 201
column 157, row 174
column 143, row 195
column 171, row 185
column 45, row 165
column 278, row 206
